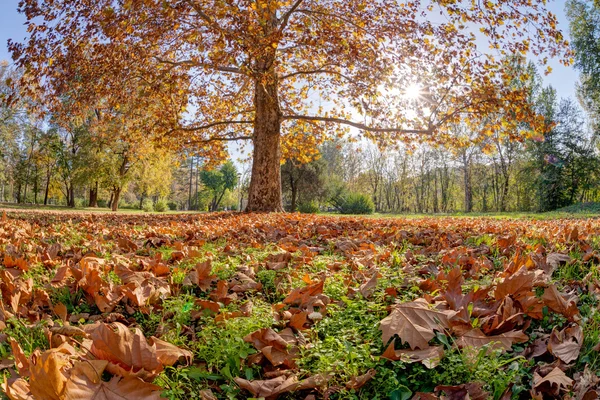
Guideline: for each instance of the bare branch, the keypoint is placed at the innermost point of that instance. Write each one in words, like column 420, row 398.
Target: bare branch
column 317, row 71
column 197, row 64
column 286, row 17
column 211, row 125
column 220, row 139
column 358, row 125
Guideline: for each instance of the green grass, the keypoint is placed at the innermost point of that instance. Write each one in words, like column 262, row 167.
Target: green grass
column 41, row 207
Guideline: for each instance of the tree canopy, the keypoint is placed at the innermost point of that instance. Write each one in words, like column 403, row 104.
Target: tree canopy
column 207, row 72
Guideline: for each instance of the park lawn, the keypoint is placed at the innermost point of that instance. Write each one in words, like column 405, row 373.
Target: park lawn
column 288, row 305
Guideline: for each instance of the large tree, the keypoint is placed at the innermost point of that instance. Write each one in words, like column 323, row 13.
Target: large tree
column 584, row 18
column 250, row 69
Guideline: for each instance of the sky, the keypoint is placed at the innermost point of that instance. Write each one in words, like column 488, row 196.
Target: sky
column 563, row 79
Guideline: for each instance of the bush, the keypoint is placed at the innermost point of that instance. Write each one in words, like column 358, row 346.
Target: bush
column 357, row 203
column 147, row 205
column 124, row 204
column 102, row 203
column 79, row 203
column 308, row 207
column 161, row 206
column 172, row 206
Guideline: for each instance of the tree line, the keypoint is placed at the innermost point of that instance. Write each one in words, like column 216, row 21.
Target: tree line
column 47, row 163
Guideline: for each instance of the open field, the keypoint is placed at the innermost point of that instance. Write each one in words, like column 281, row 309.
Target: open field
column 221, row 306
column 591, row 210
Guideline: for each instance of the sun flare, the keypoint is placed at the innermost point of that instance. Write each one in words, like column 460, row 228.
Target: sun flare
column 413, row 91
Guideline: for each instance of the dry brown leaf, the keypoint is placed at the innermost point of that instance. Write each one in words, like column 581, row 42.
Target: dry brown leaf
column 272, row 346
column 415, row 323
column 469, row 391
column 61, row 311
column 81, row 386
column 21, row 360
column 68, row 330
column 281, row 384
column 559, row 304
column 48, row 373
column 359, row 381
column 367, row 288
column 517, row 285
column 476, row 338
column 129, row 353
column 566, row 344
column 169, row 354
column 17, row 390
column 200, row 276
column 553, row 383
column 430, row 357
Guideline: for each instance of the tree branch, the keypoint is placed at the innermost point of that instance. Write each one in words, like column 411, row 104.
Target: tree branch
column 197, row 64
column 358, row 125
column 211, row 125
column 316, row 71
column 286, row 17
column 220, row 139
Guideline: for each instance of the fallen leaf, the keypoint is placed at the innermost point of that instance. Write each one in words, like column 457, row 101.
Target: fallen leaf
column 566, row 344
column 553, row 383
column 415, row 323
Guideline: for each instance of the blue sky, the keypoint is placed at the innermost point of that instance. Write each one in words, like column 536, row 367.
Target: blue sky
column 563, row 78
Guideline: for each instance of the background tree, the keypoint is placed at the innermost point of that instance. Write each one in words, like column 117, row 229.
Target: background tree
column 303, row 182
column 218, row 182
column 247, row 68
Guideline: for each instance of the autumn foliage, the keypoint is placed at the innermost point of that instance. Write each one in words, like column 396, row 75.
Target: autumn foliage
column 434, row 288
column 287, row 74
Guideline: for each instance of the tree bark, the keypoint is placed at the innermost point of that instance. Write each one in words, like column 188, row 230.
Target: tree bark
column 191, row 176
column 265, row 184
column 46, row 191
column 467, row 182
column 94, row 195
column 115, row 199
column 71, row 196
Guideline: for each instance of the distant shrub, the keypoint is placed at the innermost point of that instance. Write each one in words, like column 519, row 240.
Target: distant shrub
column 102, row 203
column 308, row 207
column 125, row 204
column 79, row 203
column 147, row 205
column 172, row 205
column 161, row 206
column 356, row 203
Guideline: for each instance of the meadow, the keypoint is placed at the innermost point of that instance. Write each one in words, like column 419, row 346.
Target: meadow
column 293, row 306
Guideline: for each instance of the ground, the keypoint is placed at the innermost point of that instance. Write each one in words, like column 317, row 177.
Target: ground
column 228, row 305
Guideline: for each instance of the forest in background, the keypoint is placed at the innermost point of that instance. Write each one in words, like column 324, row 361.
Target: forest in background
column 44, row 163
column 51, row 163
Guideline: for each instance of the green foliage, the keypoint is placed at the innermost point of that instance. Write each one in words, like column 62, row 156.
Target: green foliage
column 161, row 206
column 221, row 345
column 309, row 207
column 148, row 205
column 29, row 337
column 356, row 203
column 218, row 182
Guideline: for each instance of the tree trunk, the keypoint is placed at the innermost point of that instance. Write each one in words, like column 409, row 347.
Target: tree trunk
column 467, row 183
column 94, row 195
column 294, row 197
column 70, row 196
column 191, row 176
column 504, row 198
column 265, row 184
column 47, row 190
column 115, row 199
